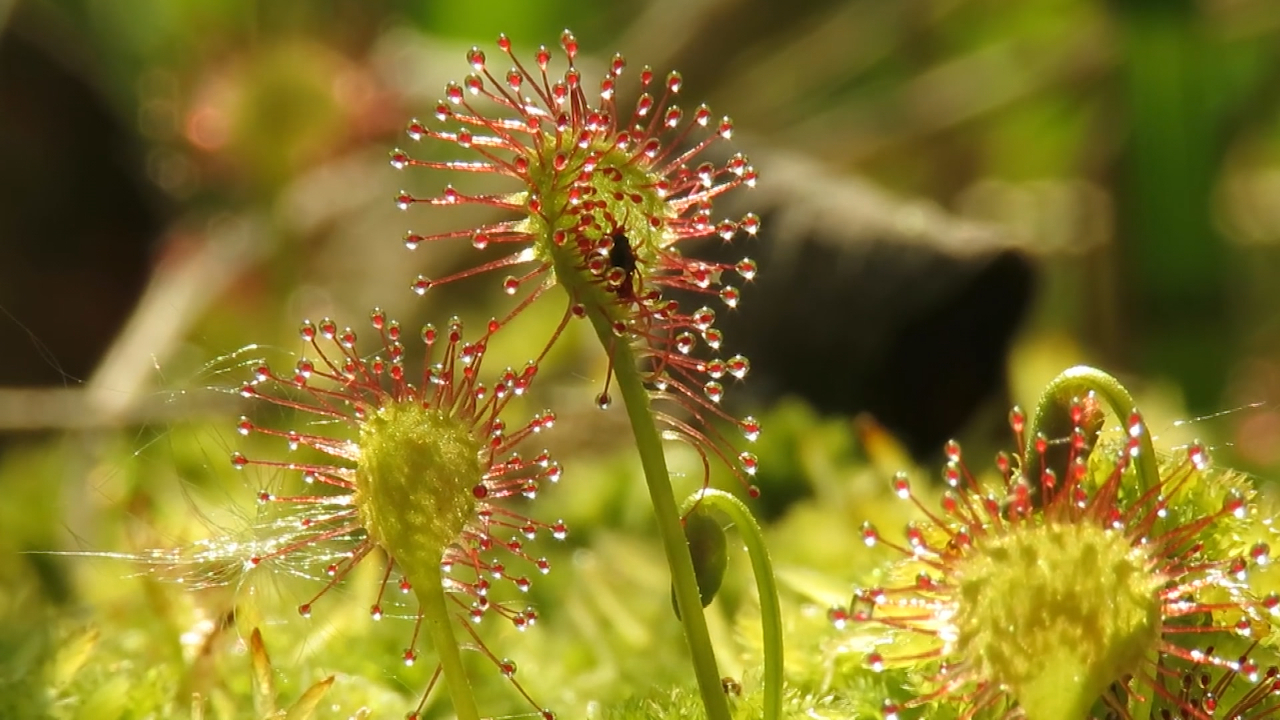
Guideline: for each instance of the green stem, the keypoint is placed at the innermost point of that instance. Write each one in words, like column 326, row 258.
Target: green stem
column 1075, row 382
column 649, row 443
column 439, row 622
column 762, row 567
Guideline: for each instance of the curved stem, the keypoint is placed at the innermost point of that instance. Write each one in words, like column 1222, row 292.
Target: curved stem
column 766, row 585
column 1082, row 377
column 439, row 622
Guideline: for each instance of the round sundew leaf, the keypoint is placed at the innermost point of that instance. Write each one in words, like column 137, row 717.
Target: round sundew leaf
column 709, row 548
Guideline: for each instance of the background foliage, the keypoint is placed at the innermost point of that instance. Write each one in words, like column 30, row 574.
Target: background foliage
column 965, row 181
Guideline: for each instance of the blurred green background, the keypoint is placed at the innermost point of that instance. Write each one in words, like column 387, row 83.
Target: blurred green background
column 962, row 197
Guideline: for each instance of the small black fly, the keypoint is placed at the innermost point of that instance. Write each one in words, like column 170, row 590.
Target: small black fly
column 623, row 257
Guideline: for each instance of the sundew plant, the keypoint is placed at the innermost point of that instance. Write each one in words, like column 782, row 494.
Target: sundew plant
column 410, row 552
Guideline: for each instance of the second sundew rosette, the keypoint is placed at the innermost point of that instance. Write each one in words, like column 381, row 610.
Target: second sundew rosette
column 604, row 198
column 410, row 462
column 1094, row 579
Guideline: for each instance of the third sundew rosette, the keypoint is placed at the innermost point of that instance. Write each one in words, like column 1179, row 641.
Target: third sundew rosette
column 1094, row 578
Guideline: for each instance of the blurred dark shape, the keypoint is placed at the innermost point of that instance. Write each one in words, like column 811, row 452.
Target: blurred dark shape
column 865, row 303
column 77, row 219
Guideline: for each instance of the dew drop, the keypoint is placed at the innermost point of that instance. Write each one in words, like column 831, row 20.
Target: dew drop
column 748, row 462
column 305, row 610
column 510, row 285
column 1135, row 424
column 951, row 474
column 1198, row 456
column 839, row 617
column 902, row 485
column 1260, row 553
column 569, row 43
column 399, row 160
column 238, row 460
column 714, row 391
column 716, row 368
column 870, row 536
column 685, row 342
column 410, row 657
column 739, row 366
column 404, row 200
column 421, row 285
column 559, row 531
column 1234, row 504
column 603, row 401
column 1017, row 420
column 952, row 451
column 543, row 566
column 750, row 428
column 244, row 427
column 730, row 296
column 375, row 612
column 875, row 662
column 412, row 241
column 507, row 667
